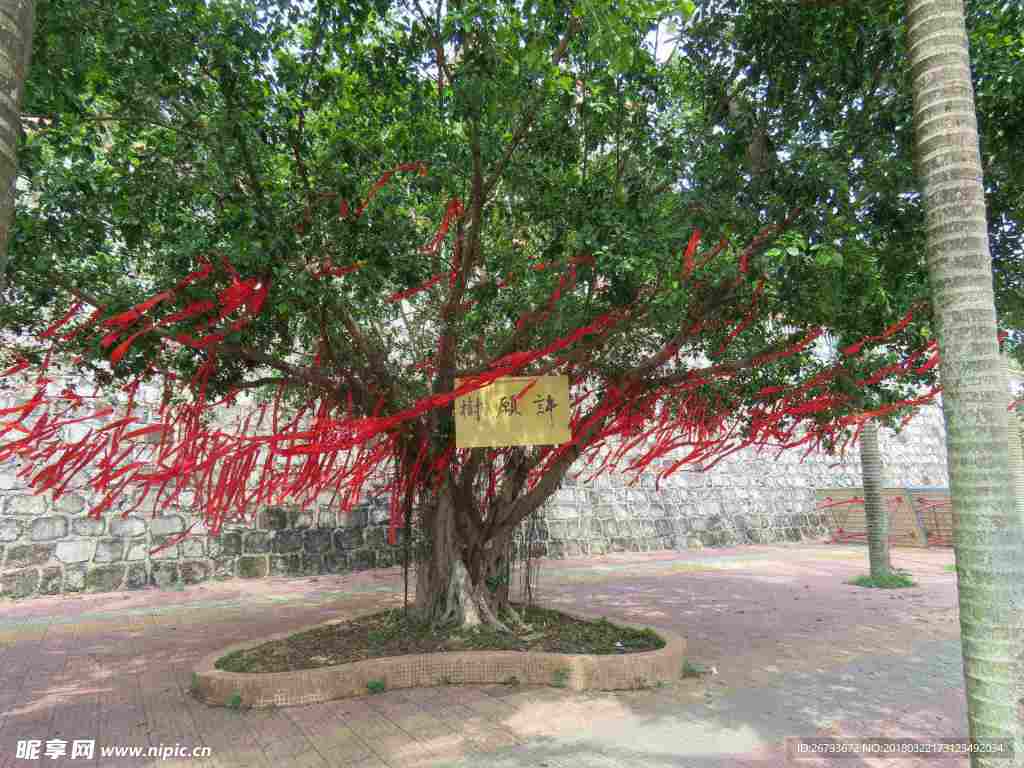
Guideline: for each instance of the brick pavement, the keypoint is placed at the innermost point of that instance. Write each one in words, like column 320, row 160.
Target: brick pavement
column 797, row 652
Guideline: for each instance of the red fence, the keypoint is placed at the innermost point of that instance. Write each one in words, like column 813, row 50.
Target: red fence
column 918, row 517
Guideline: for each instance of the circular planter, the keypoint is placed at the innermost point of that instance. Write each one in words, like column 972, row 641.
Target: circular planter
column 577, row 672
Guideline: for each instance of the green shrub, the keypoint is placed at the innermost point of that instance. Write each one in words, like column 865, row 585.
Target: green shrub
column 560, row 678
column 892, row 580
column 376, row 686
column 691, row 669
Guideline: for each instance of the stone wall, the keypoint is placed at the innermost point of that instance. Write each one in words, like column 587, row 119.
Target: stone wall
column 50, row 548
column 748, row 498
column 54, row 547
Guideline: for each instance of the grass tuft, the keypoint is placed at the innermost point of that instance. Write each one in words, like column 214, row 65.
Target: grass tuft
column 376, row 686
column 560, row 678
column 692, row 669
column 892, row 580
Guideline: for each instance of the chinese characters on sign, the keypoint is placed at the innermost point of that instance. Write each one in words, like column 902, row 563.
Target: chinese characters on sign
column 515, row 410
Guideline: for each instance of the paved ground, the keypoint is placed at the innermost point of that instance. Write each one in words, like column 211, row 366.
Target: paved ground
column 796, row 651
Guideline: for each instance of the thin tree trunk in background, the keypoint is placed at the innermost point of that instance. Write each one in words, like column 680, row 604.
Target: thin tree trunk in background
column 17, row 19
column 988, row 536
column 876, row 516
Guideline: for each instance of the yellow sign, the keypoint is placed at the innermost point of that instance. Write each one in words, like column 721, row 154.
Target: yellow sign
column 494, row 416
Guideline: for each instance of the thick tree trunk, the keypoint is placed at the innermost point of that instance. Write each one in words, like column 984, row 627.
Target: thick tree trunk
column 17, row 19
column 451, row 586
column 988, row 536
column 876, row 515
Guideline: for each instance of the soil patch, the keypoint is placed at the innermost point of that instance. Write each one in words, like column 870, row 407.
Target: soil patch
column 393, row 633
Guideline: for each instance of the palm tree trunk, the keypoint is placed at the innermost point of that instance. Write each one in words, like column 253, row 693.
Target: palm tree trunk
column 876, row 516
column 17, row 19
column 988, row 537
column 1016, row 456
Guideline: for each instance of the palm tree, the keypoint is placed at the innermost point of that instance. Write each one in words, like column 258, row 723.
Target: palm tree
column 988, row 536
column 17, row 18
column 876, row 516
column 1016, row 453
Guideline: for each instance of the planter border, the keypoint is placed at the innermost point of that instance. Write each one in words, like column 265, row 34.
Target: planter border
column 577, row 672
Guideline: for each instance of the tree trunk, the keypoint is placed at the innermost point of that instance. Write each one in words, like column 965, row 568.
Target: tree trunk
column 451, row 584
column 17, row 19
column 988, row 536
column 876, row 515
column 1016, row 455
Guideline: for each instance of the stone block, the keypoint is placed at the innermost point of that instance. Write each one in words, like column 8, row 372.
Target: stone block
column 273, row 519
column 313, row 565
column 26, row 504
column 359, row 517
column 69, row 504
column 9, row 481
column 164, row 574
column 336, row 562
column 286, row 542
column 317, row 541
column 224, row 567
column 20, row 583
column 348, row 538
column 127, row 526
column 194, row 571
column 10, row 529
column 50, row 580
column 226, row 545
column 164, row 550
column 380, row 512
column 193, row 547
column 109, row 550
column 256, row 542
column 137, row 550
column 87, row 526
column 74, row 579
column 26, row 555
column 252, row 567
column 286, row 565
column 363, row 559
column 48, row 528
column 166, row 524
column 137, row 576
column 75, row 551
column 104, row 578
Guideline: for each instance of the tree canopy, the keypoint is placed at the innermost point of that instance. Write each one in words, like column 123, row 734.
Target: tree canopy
column 345, row 207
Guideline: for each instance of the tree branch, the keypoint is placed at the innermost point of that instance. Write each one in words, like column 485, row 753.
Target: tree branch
column 530, row 114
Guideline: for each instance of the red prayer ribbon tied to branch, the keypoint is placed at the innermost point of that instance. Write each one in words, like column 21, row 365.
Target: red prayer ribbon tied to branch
column 329, row 448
